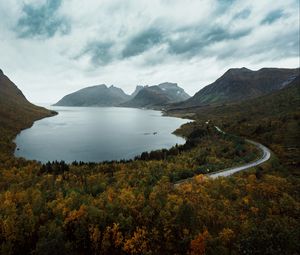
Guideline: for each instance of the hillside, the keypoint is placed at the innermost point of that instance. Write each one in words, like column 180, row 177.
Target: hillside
column 174, row 92
column 148, row 97
column 99, row 95
column 138, row 88
column 271, row 119
column 240, row 84
column 157, row 95
column 16, row 113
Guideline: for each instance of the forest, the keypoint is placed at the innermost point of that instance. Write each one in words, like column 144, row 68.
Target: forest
column 133, row 207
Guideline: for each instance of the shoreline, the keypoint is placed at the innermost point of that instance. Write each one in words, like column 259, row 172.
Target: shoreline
column 51, row 114
column 55, row 113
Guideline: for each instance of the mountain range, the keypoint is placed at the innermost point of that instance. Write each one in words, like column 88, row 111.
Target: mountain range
column 157, row 96
column 143, row 96
column 238, row 84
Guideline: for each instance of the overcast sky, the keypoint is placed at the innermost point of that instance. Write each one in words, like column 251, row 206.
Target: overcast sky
column 53, row 47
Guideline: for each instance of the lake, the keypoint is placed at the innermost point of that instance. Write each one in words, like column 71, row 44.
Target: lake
column 95, row 134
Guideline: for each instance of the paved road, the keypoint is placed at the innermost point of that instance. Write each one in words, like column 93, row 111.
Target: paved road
column 229, row 171
column 266, row 154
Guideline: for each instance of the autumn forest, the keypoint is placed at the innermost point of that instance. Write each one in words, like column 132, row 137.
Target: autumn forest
column 138, row 206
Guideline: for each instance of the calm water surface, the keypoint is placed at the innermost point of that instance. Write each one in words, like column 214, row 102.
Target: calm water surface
column 97, row 134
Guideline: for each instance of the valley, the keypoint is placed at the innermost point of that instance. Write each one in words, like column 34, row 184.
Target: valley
column 133, row 207
column 149, row 127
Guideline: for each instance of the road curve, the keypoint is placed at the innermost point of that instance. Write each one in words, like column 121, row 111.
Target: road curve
column 266, row 154
column 229, row 171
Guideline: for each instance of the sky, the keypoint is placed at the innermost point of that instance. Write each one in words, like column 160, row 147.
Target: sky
column 50, row 48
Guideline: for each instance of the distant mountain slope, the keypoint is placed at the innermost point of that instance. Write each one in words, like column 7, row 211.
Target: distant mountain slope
column 240, row 84
column 99, row 95
column 136, row 91
column 174, row 92
column 157, row 95
column 16, row 112
column 271, row 119
column 148, row 97
column 277, row 103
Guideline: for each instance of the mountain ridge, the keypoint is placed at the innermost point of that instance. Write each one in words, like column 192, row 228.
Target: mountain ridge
column 238, row 84
column 148, row 97
column 102, row 95
column 157, row 96
column 16, row 112
column 96, row 95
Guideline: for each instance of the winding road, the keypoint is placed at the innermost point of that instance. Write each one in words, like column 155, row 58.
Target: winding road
column 266, row 154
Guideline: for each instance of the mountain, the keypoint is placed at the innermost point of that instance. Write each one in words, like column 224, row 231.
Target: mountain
column 136, row 91
column 148, row 97
column 272, row 119
column 279, row 103
column 16, row 112
column 174, row 92
column 99, row 95
column 157, row 95
column 239, row 84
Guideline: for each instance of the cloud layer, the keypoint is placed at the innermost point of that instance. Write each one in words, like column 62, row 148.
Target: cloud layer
column 53, row 47
column 41, row 21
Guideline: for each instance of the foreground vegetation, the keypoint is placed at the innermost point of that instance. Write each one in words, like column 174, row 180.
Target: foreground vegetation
column 134, row 208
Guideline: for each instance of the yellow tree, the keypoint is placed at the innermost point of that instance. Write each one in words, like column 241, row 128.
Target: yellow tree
column 138, row 243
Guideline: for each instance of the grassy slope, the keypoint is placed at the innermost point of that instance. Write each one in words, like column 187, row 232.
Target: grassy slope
column 16, row 113
column 238, row 85
column 272, row 120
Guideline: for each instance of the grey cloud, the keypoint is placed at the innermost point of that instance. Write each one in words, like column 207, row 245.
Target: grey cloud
column 197, row 39
column 142, row 42
column 244, row 14
column 223, row 5
column 189, row 40
column 182, row 42
column 286, row 46
column 272, row 17
column 226, row 2
column 276, row 49
column 42, row 21
column 100, row 52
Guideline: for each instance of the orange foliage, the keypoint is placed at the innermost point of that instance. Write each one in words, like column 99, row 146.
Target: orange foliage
column 198, row 245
